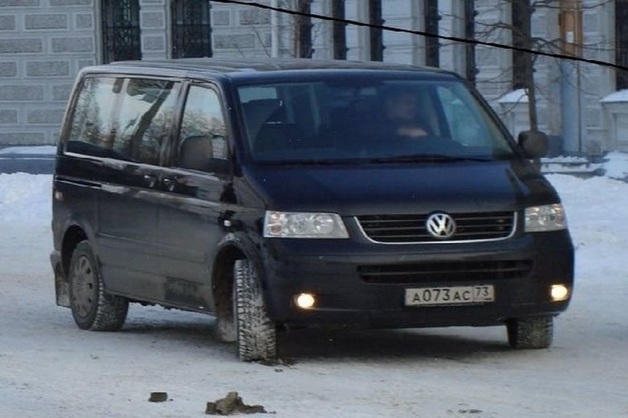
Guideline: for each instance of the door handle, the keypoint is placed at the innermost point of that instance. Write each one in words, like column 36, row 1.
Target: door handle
column 150, row 180
column 169, row 183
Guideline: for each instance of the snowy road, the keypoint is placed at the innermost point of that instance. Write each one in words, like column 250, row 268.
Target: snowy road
column 49, row 368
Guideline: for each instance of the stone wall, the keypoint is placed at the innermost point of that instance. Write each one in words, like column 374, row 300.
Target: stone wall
column 244, row 31
column 43, row 44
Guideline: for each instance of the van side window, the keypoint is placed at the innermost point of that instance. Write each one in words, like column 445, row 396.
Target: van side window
column 144, row 118
column 203, row 133
column 90, row 128
column 124, row 118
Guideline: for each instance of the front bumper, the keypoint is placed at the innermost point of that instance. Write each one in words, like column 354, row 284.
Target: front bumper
column 335, row 273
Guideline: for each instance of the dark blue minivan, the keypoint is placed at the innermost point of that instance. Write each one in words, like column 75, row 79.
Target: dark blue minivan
column 286, row 194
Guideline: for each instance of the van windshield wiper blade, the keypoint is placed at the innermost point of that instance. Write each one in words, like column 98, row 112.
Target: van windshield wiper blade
column 391, row 159
column 312, row 162
column 428, row 158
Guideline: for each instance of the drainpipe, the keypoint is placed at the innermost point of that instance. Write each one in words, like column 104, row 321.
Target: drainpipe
column 571, row 94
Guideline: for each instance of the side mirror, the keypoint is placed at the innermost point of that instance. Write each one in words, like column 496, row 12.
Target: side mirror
column 203, row 153
column 195, row 152
column 533, row 143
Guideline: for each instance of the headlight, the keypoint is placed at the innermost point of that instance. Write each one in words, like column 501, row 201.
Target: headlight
column 303, row 225
column 545, row 218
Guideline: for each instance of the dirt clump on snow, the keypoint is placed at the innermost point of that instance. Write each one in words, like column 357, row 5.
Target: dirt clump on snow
column 232, row 404
column 158, row 397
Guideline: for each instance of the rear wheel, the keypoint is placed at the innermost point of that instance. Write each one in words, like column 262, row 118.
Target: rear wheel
column 256, row 334
column 92, row 308
column 531, row 333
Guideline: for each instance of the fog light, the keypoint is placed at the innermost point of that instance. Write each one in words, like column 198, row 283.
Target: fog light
column 559, row 292
column 305, row 300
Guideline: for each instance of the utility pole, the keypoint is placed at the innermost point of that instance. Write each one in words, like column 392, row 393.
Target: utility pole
column 570, row 20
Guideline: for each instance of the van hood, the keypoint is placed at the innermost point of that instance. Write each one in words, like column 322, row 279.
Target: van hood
column 352, row 190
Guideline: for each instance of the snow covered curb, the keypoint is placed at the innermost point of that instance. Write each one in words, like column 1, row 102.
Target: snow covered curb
column 613, row 165
column 29, row 150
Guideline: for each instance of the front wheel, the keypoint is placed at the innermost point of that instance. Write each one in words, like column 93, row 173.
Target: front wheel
column 92, row 308
column 256, row 334
column 531, row 333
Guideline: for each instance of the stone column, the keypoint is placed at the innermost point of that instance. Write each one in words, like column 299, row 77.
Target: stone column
column 155, row 29
column 403, row 48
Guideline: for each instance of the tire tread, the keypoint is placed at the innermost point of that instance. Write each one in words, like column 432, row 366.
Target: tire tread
column 531, row 333
column 256, row 335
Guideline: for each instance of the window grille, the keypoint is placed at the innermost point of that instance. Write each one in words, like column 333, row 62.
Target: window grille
column 121, row 30
column 339, row 35
column 621, row 42
column 521, row 38
column 191, row 28
column 470, row 13
column 432, row 46
column 376, row 38
column 304, row 30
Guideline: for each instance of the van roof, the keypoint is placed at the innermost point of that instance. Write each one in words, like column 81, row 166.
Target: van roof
column 254, row 67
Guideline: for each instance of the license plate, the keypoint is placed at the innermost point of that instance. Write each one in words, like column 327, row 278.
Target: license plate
column 454, row 295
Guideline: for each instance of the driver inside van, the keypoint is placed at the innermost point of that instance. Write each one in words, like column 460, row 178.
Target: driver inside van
column 401, row 112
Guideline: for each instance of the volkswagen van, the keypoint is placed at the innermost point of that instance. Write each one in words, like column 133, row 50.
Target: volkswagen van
column 274, row 195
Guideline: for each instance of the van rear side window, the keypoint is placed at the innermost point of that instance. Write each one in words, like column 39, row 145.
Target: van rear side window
column 123, row 118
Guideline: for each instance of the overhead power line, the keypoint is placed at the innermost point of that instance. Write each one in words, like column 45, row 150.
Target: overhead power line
column 422, row 33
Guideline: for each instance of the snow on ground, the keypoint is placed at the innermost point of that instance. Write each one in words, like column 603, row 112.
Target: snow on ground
column 49, row 368
column 617, row 166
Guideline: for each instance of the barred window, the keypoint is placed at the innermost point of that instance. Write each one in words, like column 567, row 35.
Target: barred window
column 375, row 35
column 303, row 24
column 339, row 34
column 121, row 30
column 191, row 28
column 521, row 38
column 470, row 13
column 432, row 45
column 621, row 42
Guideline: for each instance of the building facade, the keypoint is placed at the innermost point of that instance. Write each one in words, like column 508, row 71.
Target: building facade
column 44, row 43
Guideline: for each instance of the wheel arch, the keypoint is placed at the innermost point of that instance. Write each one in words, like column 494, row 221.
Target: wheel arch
column 61, row 265
column 234, row 246
column 73, row 235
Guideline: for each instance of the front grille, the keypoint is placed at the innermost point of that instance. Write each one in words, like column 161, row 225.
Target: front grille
column 446, row 272
column 404, row 229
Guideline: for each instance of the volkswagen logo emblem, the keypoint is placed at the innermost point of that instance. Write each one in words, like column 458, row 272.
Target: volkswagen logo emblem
column 440, row 225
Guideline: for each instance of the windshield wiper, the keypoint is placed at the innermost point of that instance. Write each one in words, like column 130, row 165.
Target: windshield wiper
column 311, row 162
column 427, row 158
column 390, row 159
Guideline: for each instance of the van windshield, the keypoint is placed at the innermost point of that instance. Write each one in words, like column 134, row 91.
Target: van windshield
column 351, row 120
